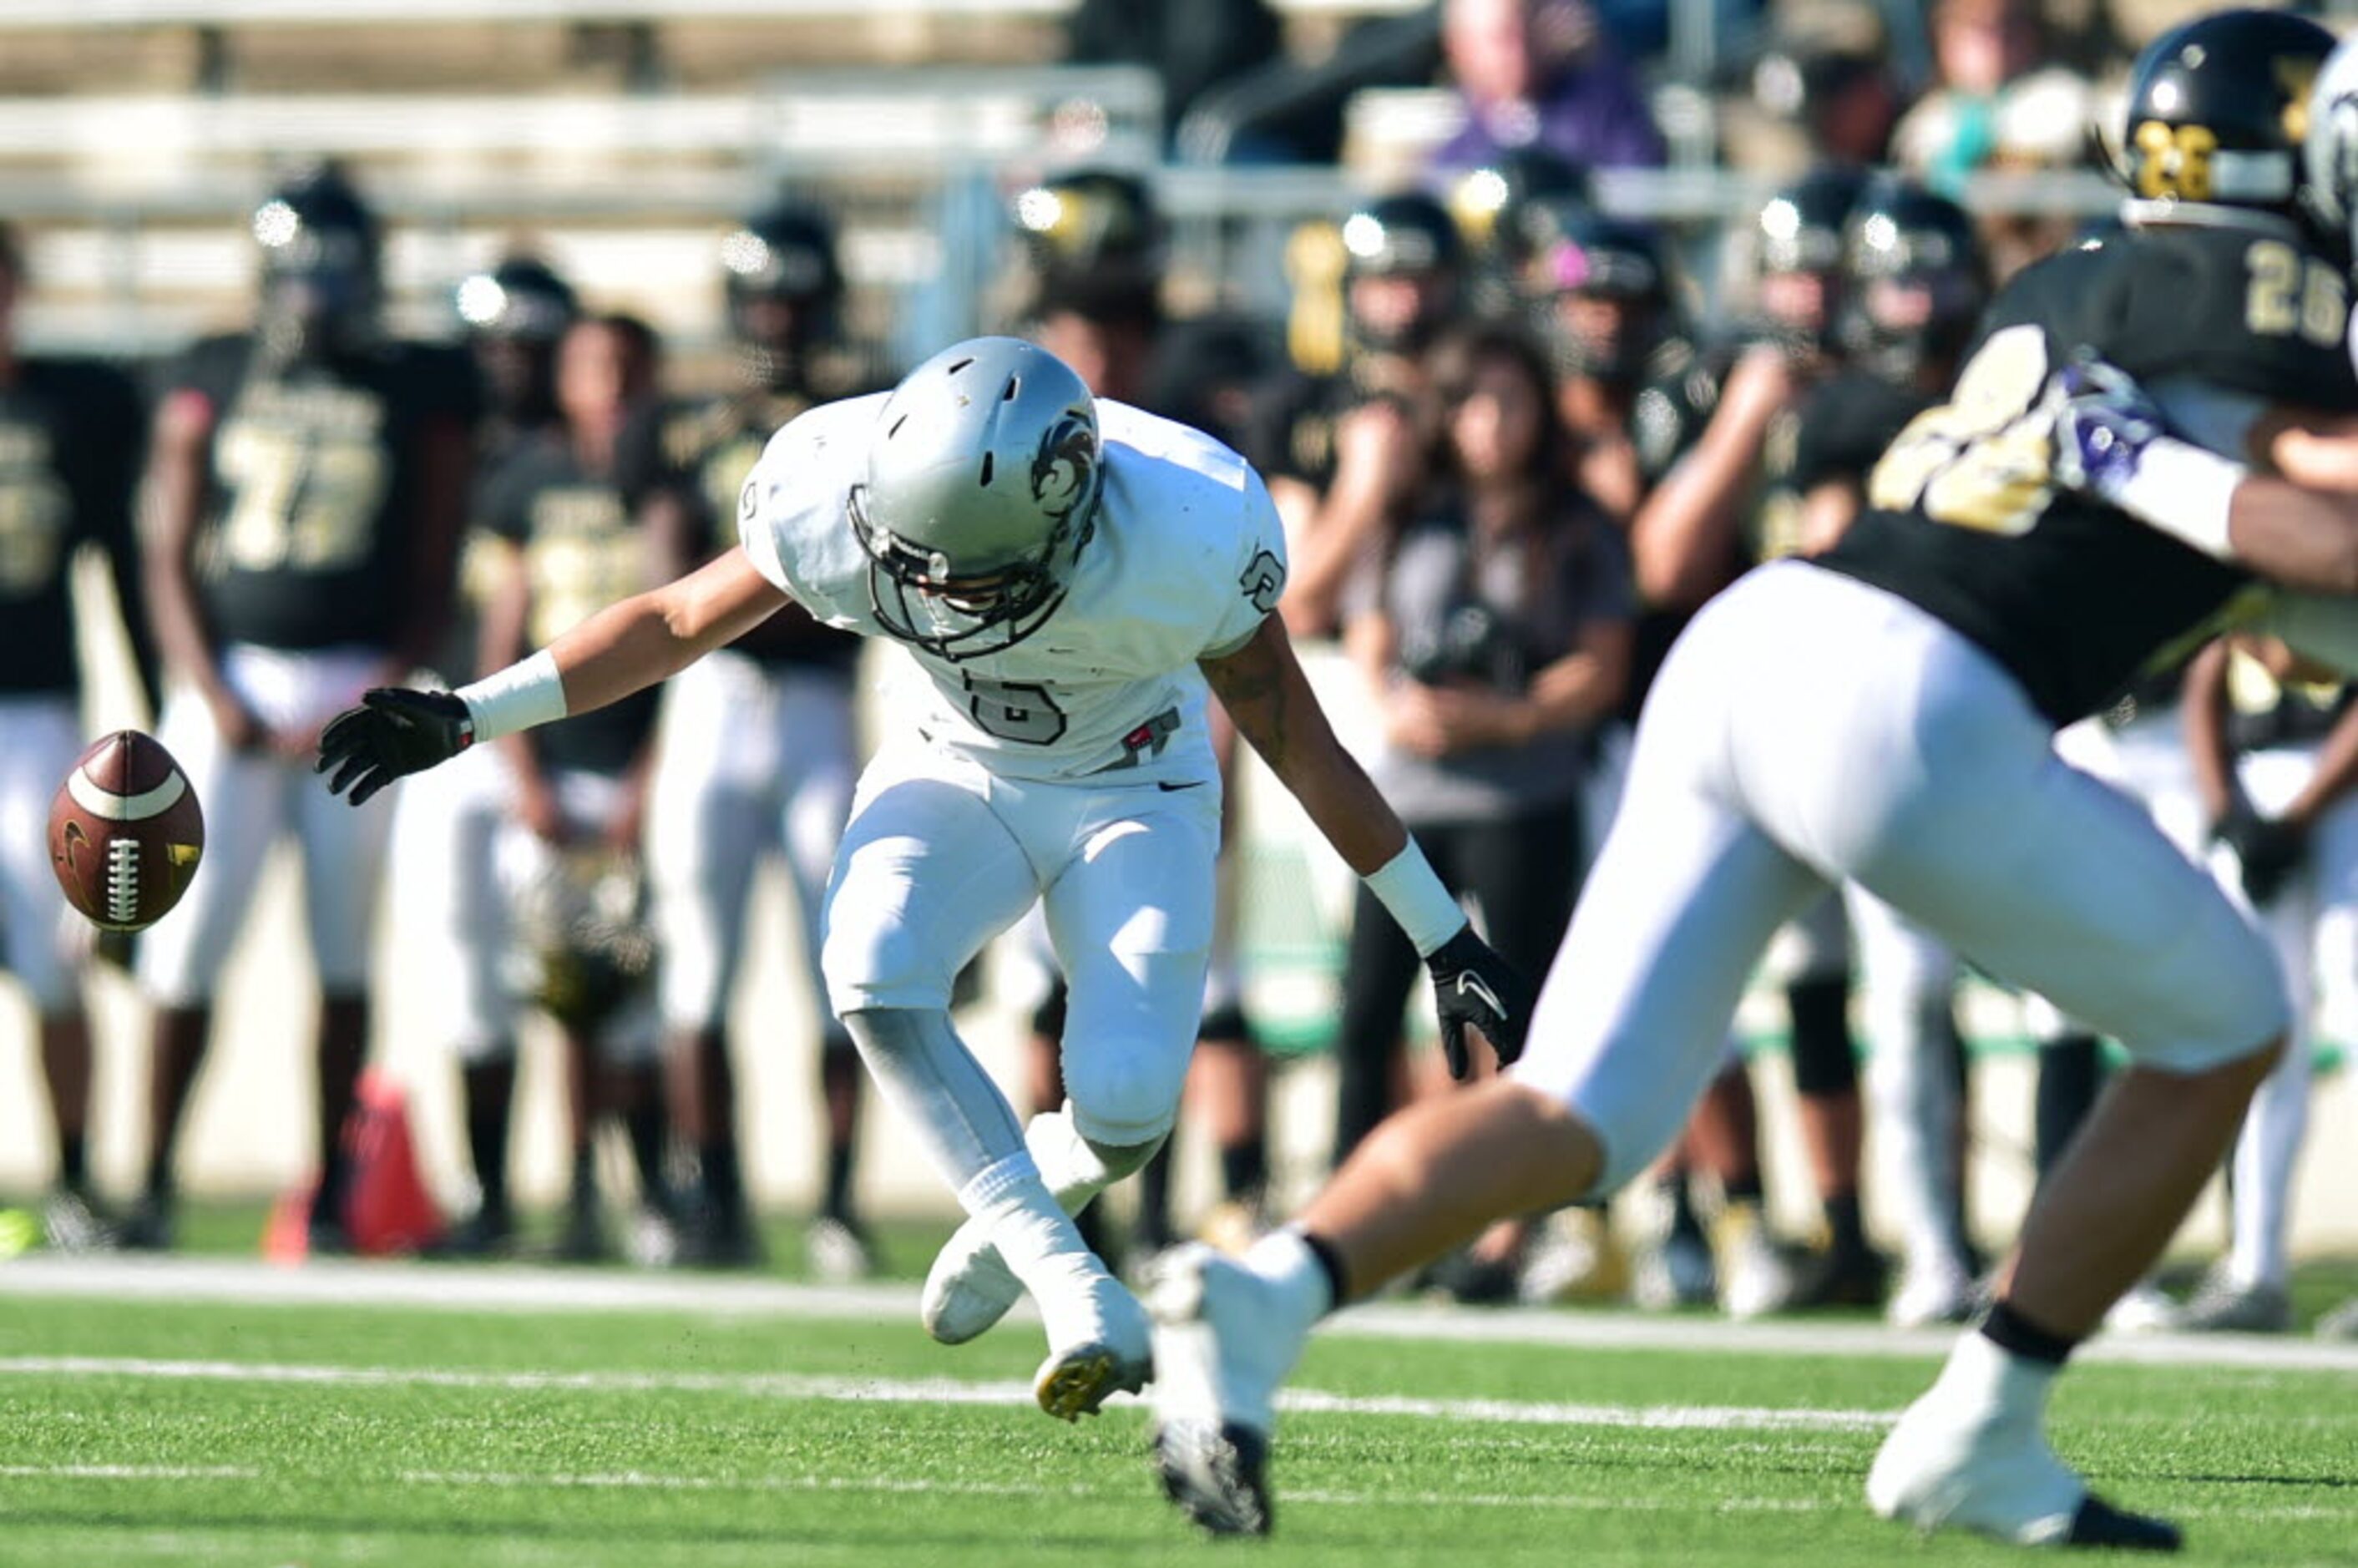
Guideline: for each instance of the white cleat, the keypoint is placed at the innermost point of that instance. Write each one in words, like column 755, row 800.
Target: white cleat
column 1223, row 1343
column 968, row 1289
column 1994, row 1475
column 1101, row 1345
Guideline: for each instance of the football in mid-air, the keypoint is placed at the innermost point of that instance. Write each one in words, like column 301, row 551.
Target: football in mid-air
column 125, row 832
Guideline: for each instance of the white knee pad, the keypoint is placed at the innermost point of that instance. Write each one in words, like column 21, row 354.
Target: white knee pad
column 1124, row 1096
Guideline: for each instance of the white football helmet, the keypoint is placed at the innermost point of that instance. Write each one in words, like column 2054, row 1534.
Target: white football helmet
column 983, row 487
column 2330, row 148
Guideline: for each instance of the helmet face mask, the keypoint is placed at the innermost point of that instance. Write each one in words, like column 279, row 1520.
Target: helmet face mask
column 1916, row 283
column 982, row 486
column 1411, row 240
column 785, row 285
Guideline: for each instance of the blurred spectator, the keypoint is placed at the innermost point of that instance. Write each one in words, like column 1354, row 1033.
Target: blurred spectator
column 1493, row 623
column 1540, row 73
column 1191, row 44
column 1984, row 53
column 70, row 441
column 756, row 754
column 569, row 855
column 1824, row 90
column 2040, row 127
column 319, row 471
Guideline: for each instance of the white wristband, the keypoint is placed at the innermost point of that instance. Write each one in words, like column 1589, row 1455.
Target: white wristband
column 516, row 698
column 2185, row 491
column 1406, row 886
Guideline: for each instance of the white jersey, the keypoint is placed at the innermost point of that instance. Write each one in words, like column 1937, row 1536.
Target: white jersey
column 1187, row 560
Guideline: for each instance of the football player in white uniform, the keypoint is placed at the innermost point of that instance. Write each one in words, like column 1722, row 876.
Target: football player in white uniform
column 1072, row 576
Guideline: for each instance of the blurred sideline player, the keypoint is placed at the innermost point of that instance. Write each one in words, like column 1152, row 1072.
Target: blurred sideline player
column 1335, row 433
column 1071, row 588
column 1721, row 435
column 306, row 491
column 70, row 446
column 755, row 754
column 568, row 856
column 1777, row 759
column 449, row 901
column 2276, row 757
column 1914, row 286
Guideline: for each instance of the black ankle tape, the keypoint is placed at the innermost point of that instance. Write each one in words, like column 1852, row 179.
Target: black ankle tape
column 1338, row 1290
column 2017, row 1335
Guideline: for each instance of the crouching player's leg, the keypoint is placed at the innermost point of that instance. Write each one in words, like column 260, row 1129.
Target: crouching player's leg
column 1130, row 918
column 927, row 873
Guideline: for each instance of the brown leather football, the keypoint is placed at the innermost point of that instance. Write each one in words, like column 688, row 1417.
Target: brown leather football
column 125, row 832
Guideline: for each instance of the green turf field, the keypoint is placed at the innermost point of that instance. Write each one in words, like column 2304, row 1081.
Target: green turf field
column 788, row 1427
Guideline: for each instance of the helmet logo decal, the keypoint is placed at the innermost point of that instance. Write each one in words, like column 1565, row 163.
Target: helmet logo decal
column 2296, row 76
column 1063, row 471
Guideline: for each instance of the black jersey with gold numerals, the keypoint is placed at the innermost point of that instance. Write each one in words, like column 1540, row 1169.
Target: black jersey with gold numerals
column 702, row 451
column 312, row 517
column 70, row 439
column 583, row 550
column 2071, row 596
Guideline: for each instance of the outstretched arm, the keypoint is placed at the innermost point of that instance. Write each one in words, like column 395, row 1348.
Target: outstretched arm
column 1270, row 700
column 625, row 647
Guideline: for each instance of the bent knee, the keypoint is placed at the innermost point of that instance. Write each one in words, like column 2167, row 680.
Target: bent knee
column 1125, row 1099
column 874, row 966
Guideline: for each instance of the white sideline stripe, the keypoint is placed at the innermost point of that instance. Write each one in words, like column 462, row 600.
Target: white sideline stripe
column 114, row 808
column 517, row 1288
column 634, row 1480
column 131, row 1472
column 931, row 1390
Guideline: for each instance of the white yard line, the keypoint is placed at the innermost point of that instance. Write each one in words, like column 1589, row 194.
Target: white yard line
column 516, row 1288
column 928, row 1390
column 638, row 1480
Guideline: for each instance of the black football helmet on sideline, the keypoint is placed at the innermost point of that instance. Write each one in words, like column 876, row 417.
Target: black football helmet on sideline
column 1915, row 281
column 322, row 281
column 785, row 285
column 1088, row 220
column 1410, row 236
column 1600, row 291
column 514, row 314
column 2218, row 110
column 1796, row 255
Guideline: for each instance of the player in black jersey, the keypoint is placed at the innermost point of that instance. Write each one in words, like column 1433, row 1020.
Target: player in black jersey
column 445, row 826
column 756, row 751
column 1885, row 713
column 1338, row 442
column 2276, row 756
column 306, row 485
column 569, row 859
column 69, row 440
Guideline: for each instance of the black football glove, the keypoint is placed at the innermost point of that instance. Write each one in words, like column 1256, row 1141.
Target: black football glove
column 395, row 732
column 2269, row 850
column 1474, row 986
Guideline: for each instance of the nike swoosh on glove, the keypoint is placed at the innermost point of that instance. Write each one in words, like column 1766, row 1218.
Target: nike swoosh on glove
column 393, row 733
column 2104, row 422
column 1475, row 987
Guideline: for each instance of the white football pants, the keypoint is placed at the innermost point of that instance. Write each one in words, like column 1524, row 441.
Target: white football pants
column 446, row 901
column 942, row 855
column 249, row 799
column 1808, row 729
column 39, row 739
column 748, row 760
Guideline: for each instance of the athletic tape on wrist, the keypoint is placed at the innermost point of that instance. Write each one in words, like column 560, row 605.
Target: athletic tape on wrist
column 516, row 698
column 2186, row 492
column 1406, row 886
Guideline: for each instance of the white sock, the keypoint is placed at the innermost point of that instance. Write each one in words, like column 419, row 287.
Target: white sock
column 1303, row 1292
column 1984, row 1380
column 1034, row 1236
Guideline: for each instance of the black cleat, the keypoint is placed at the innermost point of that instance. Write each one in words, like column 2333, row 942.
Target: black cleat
column 2099, row 1525
column 1219, row 1479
